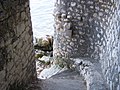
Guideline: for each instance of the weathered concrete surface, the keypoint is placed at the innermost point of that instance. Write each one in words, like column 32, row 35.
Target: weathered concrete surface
column 67, row 80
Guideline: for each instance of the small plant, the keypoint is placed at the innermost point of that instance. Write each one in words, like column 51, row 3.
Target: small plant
column 38, row 55
column 63, row 62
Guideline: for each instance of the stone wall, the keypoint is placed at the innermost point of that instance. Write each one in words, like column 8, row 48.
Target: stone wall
column 17, row 65
column 90, row 28
column 110, row 49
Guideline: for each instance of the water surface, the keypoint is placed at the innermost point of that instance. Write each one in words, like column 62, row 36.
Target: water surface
column 42, row 17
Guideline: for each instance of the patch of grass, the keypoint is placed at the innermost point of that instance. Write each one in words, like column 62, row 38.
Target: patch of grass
column 63, row 62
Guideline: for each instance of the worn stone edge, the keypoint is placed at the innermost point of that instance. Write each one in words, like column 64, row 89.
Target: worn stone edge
column 92, row 75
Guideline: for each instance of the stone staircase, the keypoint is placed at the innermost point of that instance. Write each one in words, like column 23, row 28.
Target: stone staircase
column 67, row 80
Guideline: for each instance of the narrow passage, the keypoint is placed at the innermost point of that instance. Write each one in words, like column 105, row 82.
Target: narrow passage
column 67, row 80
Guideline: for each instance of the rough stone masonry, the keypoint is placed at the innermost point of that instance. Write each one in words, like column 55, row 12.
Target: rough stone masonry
column 17, row 65
column 90, row 29
column 83, row 28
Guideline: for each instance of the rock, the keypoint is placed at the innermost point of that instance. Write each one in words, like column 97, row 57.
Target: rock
column 45, row 59
column 44, row 43
column 49, row 72
column 39, row 54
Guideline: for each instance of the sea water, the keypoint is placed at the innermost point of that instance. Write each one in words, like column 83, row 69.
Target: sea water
column 42, row 17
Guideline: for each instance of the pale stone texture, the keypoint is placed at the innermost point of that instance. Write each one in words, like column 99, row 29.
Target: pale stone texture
column 92, row 73
column 95, row 26
column 17, row 65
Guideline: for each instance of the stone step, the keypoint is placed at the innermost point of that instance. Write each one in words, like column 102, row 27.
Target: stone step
column 67, row 80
